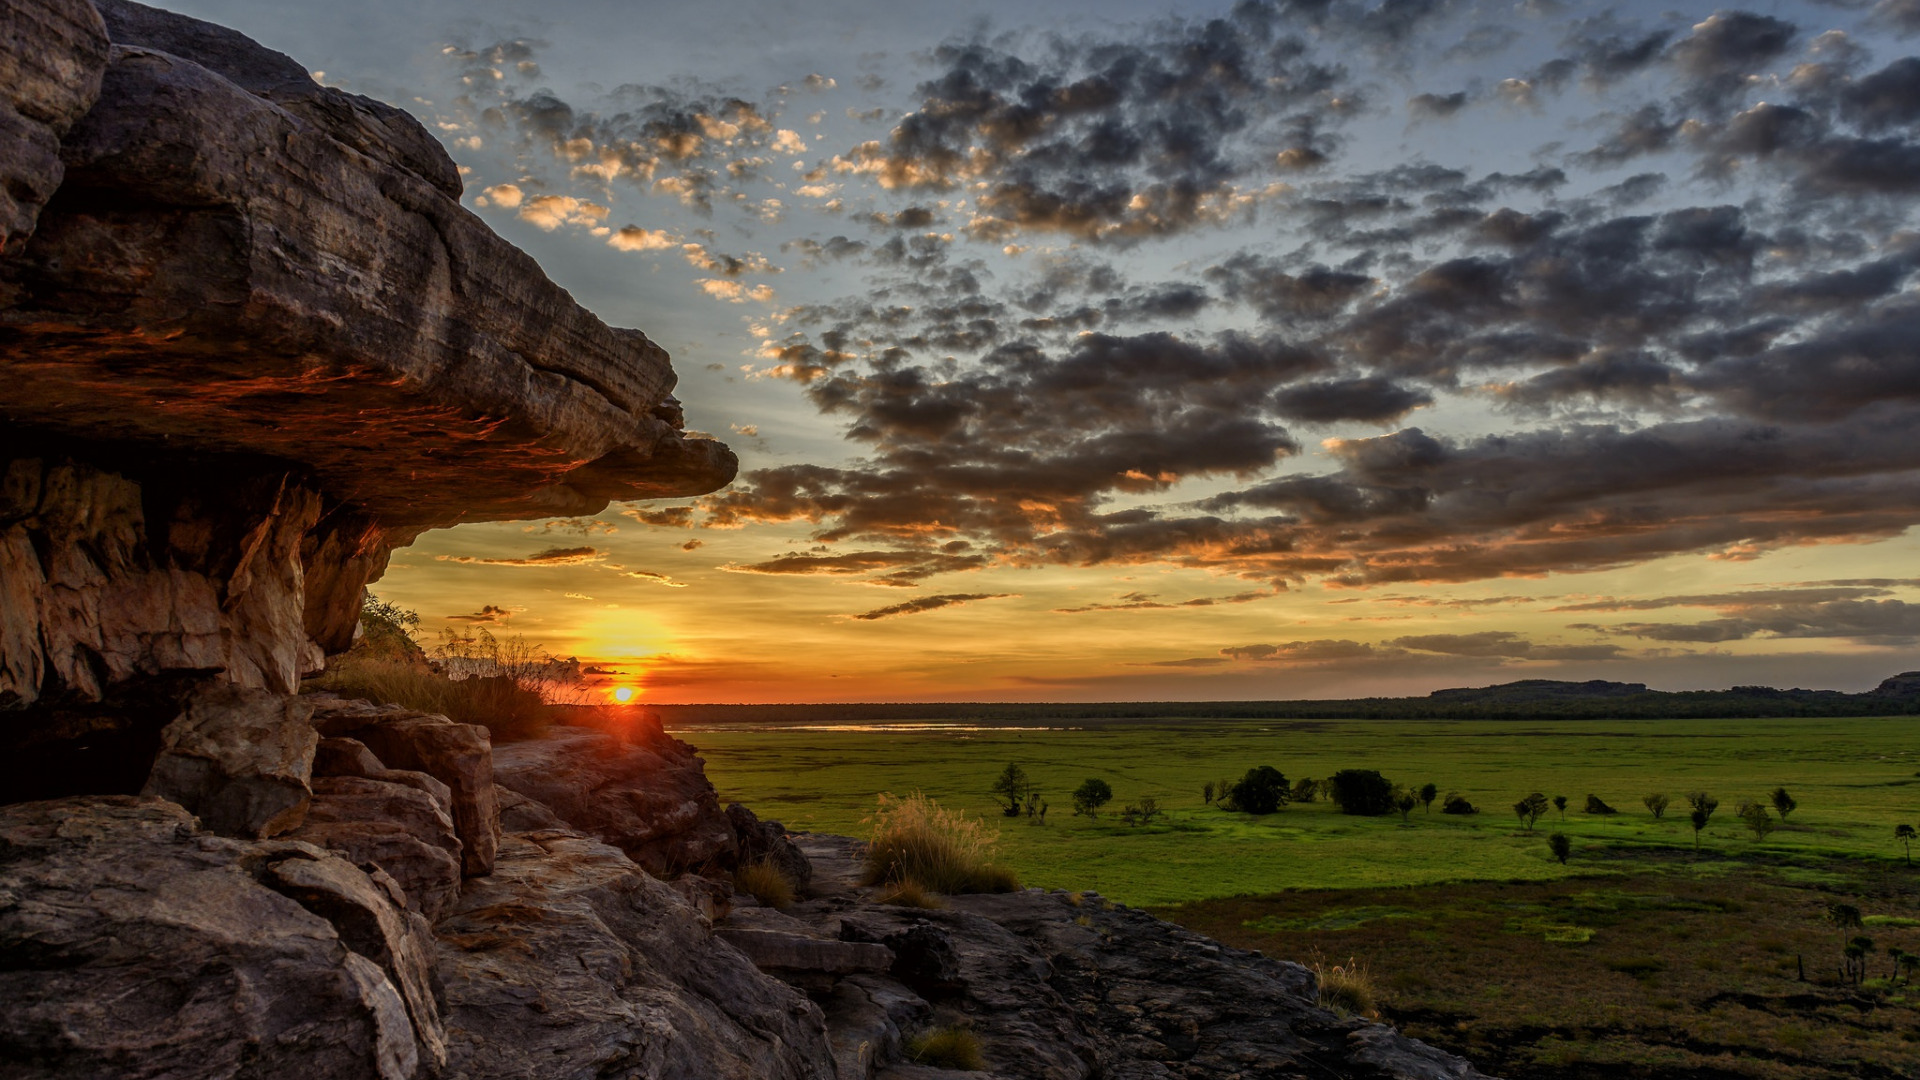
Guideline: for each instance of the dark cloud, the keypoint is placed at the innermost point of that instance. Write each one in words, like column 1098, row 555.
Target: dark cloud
column 1437, row 106
column 928, row 603
column 1119, row 140
column 1502, row 644
column 1890, row 622
column 572, row 556
column 1371, row 400
column 1322, row 650
column 490, row 613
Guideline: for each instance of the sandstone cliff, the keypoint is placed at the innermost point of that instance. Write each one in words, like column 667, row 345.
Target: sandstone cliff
column 249, row 343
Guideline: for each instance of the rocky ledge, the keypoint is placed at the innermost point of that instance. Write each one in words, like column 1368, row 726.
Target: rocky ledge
column 416, row 915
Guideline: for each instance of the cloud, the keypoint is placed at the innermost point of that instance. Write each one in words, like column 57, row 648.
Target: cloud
column 1138, row 601
column 635, row 238
column 1503, row 644
column 573, row 556
column 490, row 613
column 657, row 579
column 928, row 603
column 1888, row 622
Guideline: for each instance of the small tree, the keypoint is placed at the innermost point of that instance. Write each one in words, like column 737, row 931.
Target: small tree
column 1428, row 793
column 1698, row 819
column 1844, row 917
column 1700, row 800
column 1456, row 803
column 1530, row 809
column 1782, row 802
column 1361, row 791
column 1909, row 962
column 1656, row 803
column 1090, row 796
column 1756, row 818
column 1306, row 789
column 1405, row 801
column 1012, row 788
column 1206, row 793
column 1560, row 804
column 1262, row 791
column 1904, row 834
column 1150, row 809
column 1560, row 846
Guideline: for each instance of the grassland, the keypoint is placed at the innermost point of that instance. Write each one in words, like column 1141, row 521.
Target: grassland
column 1638, row 958
column 1854, row 779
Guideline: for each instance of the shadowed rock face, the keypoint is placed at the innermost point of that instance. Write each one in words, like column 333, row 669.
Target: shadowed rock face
column 229, row 295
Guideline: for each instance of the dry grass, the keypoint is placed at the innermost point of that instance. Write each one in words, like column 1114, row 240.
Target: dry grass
column 764, row 882
column 909, row 893
column 947, row 1048
column 505, row 708
column 915, row 839
column 1346, row 988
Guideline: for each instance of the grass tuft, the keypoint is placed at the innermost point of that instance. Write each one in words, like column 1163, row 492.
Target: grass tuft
column 909, row 893
column 1346, row 989
column 508, row 710
column 765, row 882
column 915, row 839
column 947, row 1048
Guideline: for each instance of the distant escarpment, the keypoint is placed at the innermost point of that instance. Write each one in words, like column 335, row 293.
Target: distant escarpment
column 249, row 343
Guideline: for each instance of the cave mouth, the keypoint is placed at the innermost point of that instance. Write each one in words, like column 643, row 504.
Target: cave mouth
column 54, row 749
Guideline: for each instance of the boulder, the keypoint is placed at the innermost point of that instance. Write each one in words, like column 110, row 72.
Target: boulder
column 569, row 962
column 766, row 841
column 44, row 88
column 457, row 755
column 400, row 828
column 399, row 942
column 650, row 800
column 139, row 947
column 239, row 759
column 521, row 814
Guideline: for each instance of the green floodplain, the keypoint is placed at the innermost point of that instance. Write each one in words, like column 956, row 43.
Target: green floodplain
column 1639, row 957
column 1854, row 780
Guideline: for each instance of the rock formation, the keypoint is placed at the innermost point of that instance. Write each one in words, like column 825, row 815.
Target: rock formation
column 250, row 342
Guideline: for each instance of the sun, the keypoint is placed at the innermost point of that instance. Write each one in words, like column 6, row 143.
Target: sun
column 623, row 694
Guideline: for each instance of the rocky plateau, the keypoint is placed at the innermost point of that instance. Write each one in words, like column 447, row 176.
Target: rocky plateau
column 251, row 342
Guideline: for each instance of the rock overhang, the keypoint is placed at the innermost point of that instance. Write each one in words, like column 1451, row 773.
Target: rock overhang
column 240, row 261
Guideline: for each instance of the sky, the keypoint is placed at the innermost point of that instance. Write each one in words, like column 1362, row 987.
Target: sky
column 1122, row 351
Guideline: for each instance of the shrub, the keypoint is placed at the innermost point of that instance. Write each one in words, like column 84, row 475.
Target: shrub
column 909, row 893
column 1782, row 802
column 1305, row 789
column 1012, row 788
column 1597, row 805
column 507, row 709
column 1530, row 809
column 1560, row 846
column 947, row 1048
column 1756, row 818
column 1656, row 803
column 1262, row 790
column 1456, row 803
column 1405, row 801
column 1089, row 797
column 1361, row 791
column 1346, row 988
column 765, row 882
column 914, row 838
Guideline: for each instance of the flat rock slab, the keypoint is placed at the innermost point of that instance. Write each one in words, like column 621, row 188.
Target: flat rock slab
column 775, row 950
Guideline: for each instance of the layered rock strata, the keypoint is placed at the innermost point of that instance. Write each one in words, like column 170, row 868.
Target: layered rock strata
column 251, row 341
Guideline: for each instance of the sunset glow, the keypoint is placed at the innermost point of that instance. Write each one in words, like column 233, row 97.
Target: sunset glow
column 1319, row 354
